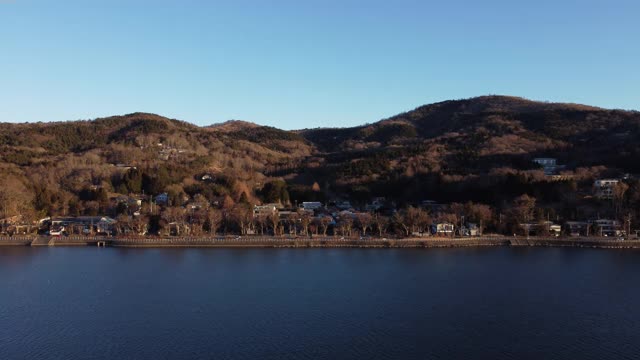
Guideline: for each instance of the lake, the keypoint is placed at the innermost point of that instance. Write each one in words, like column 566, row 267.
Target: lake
column 494, row 303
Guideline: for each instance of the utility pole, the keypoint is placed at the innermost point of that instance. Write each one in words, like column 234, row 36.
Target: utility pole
column 548, row 224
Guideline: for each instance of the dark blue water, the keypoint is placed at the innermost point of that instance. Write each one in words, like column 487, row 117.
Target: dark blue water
column 498, row 303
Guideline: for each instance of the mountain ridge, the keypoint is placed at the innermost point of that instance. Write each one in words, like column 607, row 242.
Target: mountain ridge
column 478, row 149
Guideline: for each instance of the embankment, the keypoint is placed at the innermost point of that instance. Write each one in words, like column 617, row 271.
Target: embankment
column 316, row 242
column 324, row 242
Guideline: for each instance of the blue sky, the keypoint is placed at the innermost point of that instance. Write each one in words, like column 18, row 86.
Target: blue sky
column 298, row 64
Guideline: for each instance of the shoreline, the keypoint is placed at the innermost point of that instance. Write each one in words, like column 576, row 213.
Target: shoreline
column 320, row 242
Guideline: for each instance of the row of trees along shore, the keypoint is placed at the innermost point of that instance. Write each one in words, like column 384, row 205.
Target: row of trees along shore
column 409, row 221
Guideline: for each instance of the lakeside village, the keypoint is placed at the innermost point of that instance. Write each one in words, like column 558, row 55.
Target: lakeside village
column 136, row 216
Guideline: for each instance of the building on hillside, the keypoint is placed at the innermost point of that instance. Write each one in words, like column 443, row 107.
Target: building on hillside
column 311, row 205
column 549, row 165
column 563, row 177
column 265, row 210
column 128, row 200
column 344, row 205
column 604, row 188
column 162, row 198
column 165, row 199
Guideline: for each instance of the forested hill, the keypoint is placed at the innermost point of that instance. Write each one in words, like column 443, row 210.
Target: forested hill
column 475, row 135
column 478, row 149
column 488, row 118
column 463, row 149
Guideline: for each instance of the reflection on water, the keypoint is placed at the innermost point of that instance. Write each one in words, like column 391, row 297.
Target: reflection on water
column 499, row 303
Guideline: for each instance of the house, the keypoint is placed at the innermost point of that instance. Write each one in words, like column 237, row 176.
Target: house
column 265, row 210
column 344, row 214
column 555, row 229
column 311, row 205
column 563, row 177
column 541, row 228
column 577, row 228
column 286, row 215
column 604, row 188
column 162, row 198
column 606, row 227
column 82, row 224
column 344, row 205
column 470, row 229
column 128, row 200
column 549, row 165
column 443, row 229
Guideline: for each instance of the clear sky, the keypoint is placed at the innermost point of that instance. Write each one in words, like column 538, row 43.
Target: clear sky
column 296, row 63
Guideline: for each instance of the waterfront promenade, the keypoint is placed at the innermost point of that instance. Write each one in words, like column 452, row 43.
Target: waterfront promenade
column 316, row 242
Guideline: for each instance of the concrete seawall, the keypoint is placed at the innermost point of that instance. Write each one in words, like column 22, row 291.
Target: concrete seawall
column 316, row 242
column 578, row 242
column 16, row 241
column 276, row 242
column 24, row 240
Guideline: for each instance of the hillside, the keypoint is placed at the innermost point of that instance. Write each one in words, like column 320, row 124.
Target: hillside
column 53, row 166
column 478, row 149
column 453, row 150
column 474, row 132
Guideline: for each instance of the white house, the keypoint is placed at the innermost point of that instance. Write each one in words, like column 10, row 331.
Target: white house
column 443, row 229
column 604, row 188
